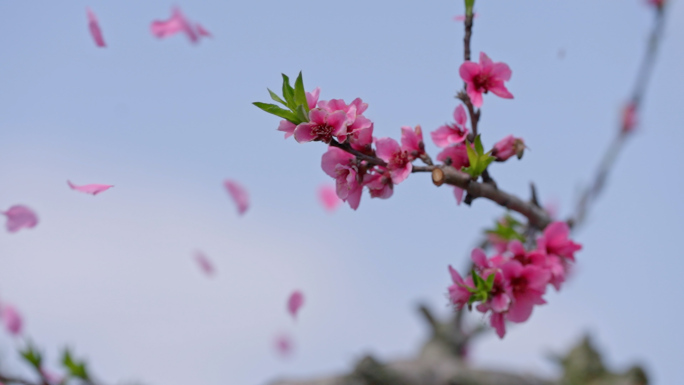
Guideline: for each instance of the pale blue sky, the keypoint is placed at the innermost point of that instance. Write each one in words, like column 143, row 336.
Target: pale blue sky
column 166, row 122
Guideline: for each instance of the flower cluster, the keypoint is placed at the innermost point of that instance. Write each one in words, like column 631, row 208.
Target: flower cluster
column 352, row 173
column 508, row 284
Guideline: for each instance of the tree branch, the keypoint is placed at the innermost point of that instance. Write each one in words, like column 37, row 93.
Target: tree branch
column 536, row 216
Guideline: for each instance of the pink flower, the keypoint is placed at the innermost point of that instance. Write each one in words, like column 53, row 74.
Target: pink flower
column 175, row 24
column 11, row 318
column 452, row 133
column 507, row 147
column 398, row 162
column 629, row 118
column 555, row 241
column 354, row 111
column 458, row 292
column 458, row 194
column 362, row 140
column 457, row 155
column 312, row 98
column 341, row 166
column 20, row 217
column 484, row 77
column 412, row 141
column 498, row 323
column 328, row 197
column 379, row 184
column 94, row 27
column 93, row 189
column 287, row 127
column 283, row 345
column 322, row 126
column 204, row 263
column 295, row 302
column 239, row 195
column 526, row 285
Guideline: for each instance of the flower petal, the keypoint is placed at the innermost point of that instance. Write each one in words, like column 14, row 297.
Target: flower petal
column 239, row 195
column 93, row 189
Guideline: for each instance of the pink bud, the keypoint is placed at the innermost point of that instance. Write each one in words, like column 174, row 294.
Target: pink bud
column 507, row 147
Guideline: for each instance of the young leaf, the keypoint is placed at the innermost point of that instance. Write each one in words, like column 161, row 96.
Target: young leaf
column 469, row 6
column 75, row 368
column 478, row 145
column 288, row 93
column 276, row 98
column 302, row 114
column 489, row 284
column 32, row 356
column 277, row 111
column 300, row 94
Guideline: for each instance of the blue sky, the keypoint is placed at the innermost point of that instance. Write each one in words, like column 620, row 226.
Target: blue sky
column 166, row 122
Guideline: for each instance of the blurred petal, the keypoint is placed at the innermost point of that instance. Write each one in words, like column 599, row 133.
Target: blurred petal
column 239, row 195
column 20, row 217
column 93, row 189
column 295, row 302
column 328, row 197
column 204, row 263
column 95, row 30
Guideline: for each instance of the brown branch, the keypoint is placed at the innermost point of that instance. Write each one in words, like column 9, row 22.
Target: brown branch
column 593, row 191
column 348, row 148
column 449, row 175
column 15, row 380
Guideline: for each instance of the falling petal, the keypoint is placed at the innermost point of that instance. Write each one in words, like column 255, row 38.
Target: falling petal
column 177, row 23
column 295, row 302
column 283, row 345
column 204, row 263
column 95, row 30
column 201, row 31
column 239, row 195
column 12, row 319
column 327, row 195
column 93, row 189
column 20, row 217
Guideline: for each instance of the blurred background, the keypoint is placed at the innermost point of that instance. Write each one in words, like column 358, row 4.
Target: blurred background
column 166, row 122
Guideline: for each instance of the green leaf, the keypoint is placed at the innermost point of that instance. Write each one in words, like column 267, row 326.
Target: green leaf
column 288, row 93
column 75, row 368
column 276, row 98
column 277, row 111
column 300, row 94
column 490, row 282
column 302, row 113
column 479, row 160
column 32, row 356
column 478, row 145
column 469, row 6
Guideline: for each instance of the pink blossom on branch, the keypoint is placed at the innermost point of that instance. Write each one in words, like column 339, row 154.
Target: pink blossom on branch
column 555, row 241
column 322, row 127
column 379, row 183
column 94, row 27
column 484, row 77
column 288, row 127
column 457, row 155
column 20, row 217
column 412, row 141
column 452, row 133
column 239, row 195
column 397, row 158
column 92, row 189
column 341, row 166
